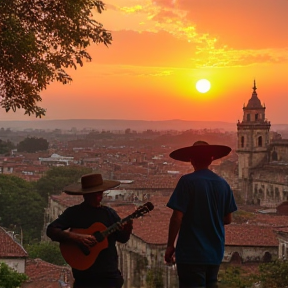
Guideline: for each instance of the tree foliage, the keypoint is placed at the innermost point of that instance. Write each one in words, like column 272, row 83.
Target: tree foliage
column 32, row 144
column 235, row 277
column 39, row 40
column 271, row 275
column 22, row 208
column 274, row 274
column 154, row 278
column 47, row 251
column 6, row 146
column 10, row 278
column 57, row 178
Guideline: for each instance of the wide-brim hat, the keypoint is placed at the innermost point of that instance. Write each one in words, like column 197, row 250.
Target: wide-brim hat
column 198, row 149
column 90, row 183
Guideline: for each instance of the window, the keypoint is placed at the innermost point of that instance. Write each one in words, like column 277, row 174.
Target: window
column 248, row 117
column 260, row 141
column 242, row 141
column 274, row 156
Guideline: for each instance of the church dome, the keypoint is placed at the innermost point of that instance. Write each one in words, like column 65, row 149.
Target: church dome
column 254, row 101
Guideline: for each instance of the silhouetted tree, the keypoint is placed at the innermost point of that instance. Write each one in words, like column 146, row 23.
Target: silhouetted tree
column 47, row 251
column 21, row 207
column 32, row 144
column 6, row 146
column 57, row 178
column 38, row 41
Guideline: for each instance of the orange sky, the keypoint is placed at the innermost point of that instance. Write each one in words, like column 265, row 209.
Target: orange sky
column 161, row 48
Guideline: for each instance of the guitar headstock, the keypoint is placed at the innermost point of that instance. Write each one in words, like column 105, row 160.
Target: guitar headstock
column 143, row 209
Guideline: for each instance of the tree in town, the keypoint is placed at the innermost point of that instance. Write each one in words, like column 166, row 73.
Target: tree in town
column 6, row 147
column 47, row 251
column 235, row 277
column 58, row 177
column 274, row 274
column 32, row 144
column 39, row 40
column 21, row 208
column 9, row 278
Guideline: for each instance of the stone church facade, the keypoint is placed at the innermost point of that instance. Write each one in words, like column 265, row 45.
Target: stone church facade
column 262, row 157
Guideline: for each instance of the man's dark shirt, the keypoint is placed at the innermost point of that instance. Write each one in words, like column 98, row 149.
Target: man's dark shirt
column 83, row 216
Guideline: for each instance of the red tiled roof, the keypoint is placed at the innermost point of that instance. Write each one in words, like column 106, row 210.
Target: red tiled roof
column 67, row 200
column 152, row 228
column 37, row 270
column 43, row 274
column 250, row 235
column 9, row 248
column 269, row 220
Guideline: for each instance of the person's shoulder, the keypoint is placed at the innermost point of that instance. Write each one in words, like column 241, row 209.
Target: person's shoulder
column 75, row 207
column 112, row 212
column 188, row 176
column 222, row 180
column 109, row 209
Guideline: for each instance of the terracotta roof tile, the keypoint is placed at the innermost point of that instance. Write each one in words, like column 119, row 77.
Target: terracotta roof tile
column 152, row 228
column 43, row 274
column 9, row 248
column 37, row 269
column 250, row 235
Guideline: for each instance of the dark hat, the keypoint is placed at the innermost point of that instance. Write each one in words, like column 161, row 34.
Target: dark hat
column 90, row 183
column 200, row 149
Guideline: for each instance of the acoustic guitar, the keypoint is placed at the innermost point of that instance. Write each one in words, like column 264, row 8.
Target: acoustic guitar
column 81, row 257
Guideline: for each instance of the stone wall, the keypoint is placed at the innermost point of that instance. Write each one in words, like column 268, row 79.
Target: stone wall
column 244, row 254
column 141, row 262
column 269, row 185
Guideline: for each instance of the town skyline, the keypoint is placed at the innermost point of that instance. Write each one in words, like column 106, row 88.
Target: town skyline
column 161, row 48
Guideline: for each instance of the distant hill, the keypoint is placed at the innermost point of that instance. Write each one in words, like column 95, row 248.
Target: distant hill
column 116, row 124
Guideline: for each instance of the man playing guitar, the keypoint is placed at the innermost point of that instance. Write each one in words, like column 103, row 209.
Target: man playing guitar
column 74, row 230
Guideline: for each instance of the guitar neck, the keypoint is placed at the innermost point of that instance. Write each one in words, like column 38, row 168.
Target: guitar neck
column 115, row 226
column 140, row 211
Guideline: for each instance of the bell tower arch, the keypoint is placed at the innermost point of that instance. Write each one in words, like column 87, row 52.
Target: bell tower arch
column 253, row 140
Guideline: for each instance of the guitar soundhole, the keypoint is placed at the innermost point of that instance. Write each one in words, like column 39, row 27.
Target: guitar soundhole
column 84, row 249
column 99, row 237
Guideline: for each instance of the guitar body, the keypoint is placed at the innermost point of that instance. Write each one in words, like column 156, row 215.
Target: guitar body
column 73, row 254
column 80, row 257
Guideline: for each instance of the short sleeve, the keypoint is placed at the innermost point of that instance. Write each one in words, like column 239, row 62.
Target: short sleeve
column 180, row 197
column 230, row 203
column 63, row 221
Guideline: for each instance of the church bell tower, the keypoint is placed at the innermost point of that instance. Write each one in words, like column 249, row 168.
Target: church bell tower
column 253, row 139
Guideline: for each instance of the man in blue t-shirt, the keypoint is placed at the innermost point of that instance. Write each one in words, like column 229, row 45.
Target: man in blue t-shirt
column 202, row 204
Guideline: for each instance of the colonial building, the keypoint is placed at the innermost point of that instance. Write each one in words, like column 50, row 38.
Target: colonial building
column 262, row 157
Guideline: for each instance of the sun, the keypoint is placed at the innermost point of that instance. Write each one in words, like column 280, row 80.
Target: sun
column 203, row 85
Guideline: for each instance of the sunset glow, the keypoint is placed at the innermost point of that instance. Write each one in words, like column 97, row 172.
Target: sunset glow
column 161, row 48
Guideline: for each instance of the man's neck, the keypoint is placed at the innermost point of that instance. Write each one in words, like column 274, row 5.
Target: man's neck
column 200, row 168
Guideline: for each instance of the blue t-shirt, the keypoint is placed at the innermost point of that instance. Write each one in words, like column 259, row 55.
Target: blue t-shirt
column 204, row 198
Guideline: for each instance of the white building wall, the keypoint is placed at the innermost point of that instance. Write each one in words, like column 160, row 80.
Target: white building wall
column 17, row 264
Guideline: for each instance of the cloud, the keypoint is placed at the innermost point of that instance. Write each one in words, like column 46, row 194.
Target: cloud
column 204, row 33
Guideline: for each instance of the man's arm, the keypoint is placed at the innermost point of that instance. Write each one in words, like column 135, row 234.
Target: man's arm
column 123, row 235
column 57, row 233
column 174, row 226
column 227, row 219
